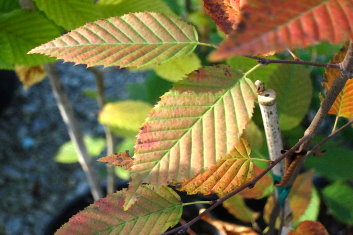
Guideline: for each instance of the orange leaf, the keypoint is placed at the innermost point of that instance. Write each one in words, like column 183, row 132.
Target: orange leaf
column 122, row 160
column 226, row 13
column 309, row 228
column 343, row 105
column 229, row 228
column 300, row 194
column 225, row 176
column 261, row 188
column 279, row 24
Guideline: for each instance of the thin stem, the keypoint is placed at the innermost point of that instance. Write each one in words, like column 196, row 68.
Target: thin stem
column 249, row 184
column 207, row 45
column 295, row 57
column 75, row 134
column 99, row 78
column 265, row 61
column 316, row 147
column 335, row 124
column 260, row 160
column 252, row 70
column 197, row 202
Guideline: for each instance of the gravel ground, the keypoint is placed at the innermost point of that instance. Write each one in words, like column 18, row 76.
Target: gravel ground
column 33, row 187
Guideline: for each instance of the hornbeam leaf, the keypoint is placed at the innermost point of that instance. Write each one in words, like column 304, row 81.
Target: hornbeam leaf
column 122, row 160
column 343, row 105
column 237, row 207
column 111, row 8
column 294, row 90
column 69, row 14
column 226, row 13
column 279, row 24
column 228, row 173
column 309, row 228
column 132, row 40
column 8, row 5
column 6, row 56
column 124, row 118
column 158, row 209
column 195, row 124
column 23, row 30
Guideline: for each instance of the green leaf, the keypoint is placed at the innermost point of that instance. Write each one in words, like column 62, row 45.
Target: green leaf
column 177, row 69
column 126, row 144
column 6, row 57
column 338, row 198
column 132, row 40
column 69, row 14
column 124, row 118
column 150, row 90
column 24, row 30
column 111, row 8
column 8, row 5
column 263, row 73
column 293, row 88
column 237, row 207
column 194, row 125
column 335, row 164
column 158, row 209
column 312, row 210
column 255, row 136
column 67, row 152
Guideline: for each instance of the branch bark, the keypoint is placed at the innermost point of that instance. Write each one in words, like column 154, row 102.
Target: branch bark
column 76, row 137
column 109, row 137
column 346, row 68
column 346, row 72
column 266, row 61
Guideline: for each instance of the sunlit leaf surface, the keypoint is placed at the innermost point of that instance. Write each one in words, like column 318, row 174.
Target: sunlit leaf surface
column 132, row 40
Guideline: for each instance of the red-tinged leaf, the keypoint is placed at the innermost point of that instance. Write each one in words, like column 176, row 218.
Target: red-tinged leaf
column 158, row 209
column 194, row 125
column 122, row 160
column 279, row 24
column 309, row 228
column 228, row 173
column 226, row 13
column 343, row 105
column 132, row 40
column 237, row 207
column 261, row 189
column 300, row 195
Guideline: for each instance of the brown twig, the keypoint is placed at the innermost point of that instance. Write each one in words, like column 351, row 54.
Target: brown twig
column 346, row 68
column 249, row 184
column 266, row 61
column 99, row 78
column 318, row 146
column 346, row 72
column 74, row 131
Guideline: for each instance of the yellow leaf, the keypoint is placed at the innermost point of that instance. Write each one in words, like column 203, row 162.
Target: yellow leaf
column 30, row 75
column 177, row 69
column 343, row 105
column 124, row 117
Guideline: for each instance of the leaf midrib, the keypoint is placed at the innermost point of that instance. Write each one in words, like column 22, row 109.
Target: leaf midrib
column 191, row 127
column 119, row 44
column 173, row 207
